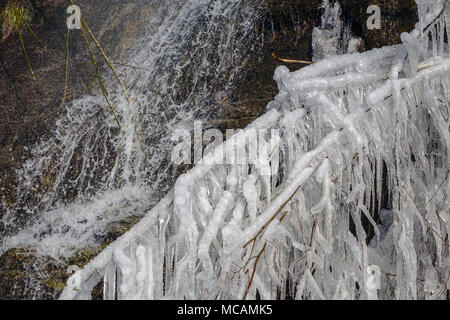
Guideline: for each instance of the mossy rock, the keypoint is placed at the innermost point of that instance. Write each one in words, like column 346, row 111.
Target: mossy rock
column 25, row 275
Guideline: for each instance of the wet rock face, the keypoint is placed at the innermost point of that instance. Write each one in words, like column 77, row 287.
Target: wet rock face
column 26, row 276
column 29, row 108
column 397, row 16
column 286, row 31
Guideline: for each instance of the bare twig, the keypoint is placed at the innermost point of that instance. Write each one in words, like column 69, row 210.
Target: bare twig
column 99, row 77
column 88, row 86
column 110, row 65
column 26, row 55
column 291, row 60
column 108, row 62
column 67, row 68
column 254, row 270
column 312, row 232
column 274, row 215
column 444, row 287
column 440, row 186
column 272, row 218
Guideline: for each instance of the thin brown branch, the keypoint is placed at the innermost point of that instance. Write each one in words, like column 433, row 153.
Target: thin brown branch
column 26, row 55
column 312, row 232
column 67, row 68
column 110, row 65
column 99, row 77
column 440, row 186
column 254, row 270
column 291, row 60
column 272, row 218
column 88, row 86
column 108, row 62
column 444, row 287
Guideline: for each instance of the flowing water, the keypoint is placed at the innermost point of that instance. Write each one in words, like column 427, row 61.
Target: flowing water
column 97, row 169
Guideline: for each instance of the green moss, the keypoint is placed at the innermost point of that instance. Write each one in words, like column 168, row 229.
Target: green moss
column 26, row 275
column 53, row 284
column 13, row 17
column 85, row 255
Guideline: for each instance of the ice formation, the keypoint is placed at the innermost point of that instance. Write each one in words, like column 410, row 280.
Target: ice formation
column 332, row 36
column 227, row 232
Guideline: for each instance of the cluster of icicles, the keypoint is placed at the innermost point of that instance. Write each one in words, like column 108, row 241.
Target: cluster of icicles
column 229, row 232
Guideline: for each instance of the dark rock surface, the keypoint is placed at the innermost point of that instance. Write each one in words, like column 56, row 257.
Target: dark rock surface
column 397, row 16
column 24, row 275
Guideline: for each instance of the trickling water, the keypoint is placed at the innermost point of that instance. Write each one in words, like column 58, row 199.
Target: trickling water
column 92, row 171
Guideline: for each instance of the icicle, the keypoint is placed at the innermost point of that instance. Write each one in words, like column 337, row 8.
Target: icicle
column 125, row 265
column 251, row 195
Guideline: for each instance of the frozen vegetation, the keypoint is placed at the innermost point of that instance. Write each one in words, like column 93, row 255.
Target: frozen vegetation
column 348, row 125
column 231, row 232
